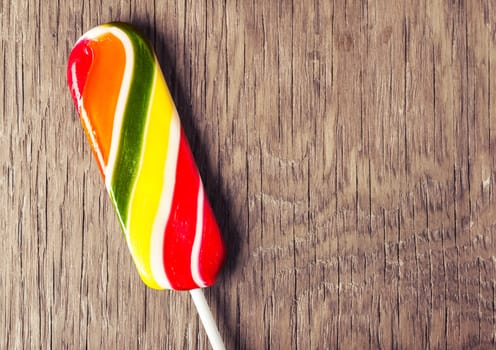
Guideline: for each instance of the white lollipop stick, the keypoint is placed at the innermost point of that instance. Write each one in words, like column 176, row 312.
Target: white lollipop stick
column 207, row 319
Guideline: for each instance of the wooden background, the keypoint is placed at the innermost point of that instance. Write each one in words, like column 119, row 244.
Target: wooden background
column 347, row 147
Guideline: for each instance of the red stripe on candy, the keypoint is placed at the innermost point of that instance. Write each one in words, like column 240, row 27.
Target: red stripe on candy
column 79, row 65
column 212, row 248
column 181, row 225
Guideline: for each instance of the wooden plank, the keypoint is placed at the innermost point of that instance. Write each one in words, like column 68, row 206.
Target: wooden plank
column 347, row 148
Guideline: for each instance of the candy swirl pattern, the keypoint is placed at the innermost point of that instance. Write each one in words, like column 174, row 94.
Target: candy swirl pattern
column 135, row 133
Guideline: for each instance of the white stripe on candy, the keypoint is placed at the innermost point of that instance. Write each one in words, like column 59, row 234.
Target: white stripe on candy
column 157, row 238
column 123, row 93
column 86, row 121
column 121, row 103
column 195, row 252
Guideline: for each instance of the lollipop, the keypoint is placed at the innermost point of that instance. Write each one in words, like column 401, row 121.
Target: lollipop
column 144, row 158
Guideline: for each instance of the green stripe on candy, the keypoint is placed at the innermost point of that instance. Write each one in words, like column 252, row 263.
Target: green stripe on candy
column 133, row 124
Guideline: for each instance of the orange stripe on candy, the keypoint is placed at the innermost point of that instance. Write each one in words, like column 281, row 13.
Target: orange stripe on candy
column 102, row 88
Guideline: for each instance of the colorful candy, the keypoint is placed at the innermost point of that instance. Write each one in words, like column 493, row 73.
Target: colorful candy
column 134, row 130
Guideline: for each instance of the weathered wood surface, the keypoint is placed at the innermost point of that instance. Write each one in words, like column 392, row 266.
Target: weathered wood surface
column 348, row 148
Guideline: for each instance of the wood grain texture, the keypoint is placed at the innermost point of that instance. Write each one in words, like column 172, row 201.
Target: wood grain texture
column 347, row 147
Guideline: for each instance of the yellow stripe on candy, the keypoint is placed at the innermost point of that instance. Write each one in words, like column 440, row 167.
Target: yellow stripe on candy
column 145, row 199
